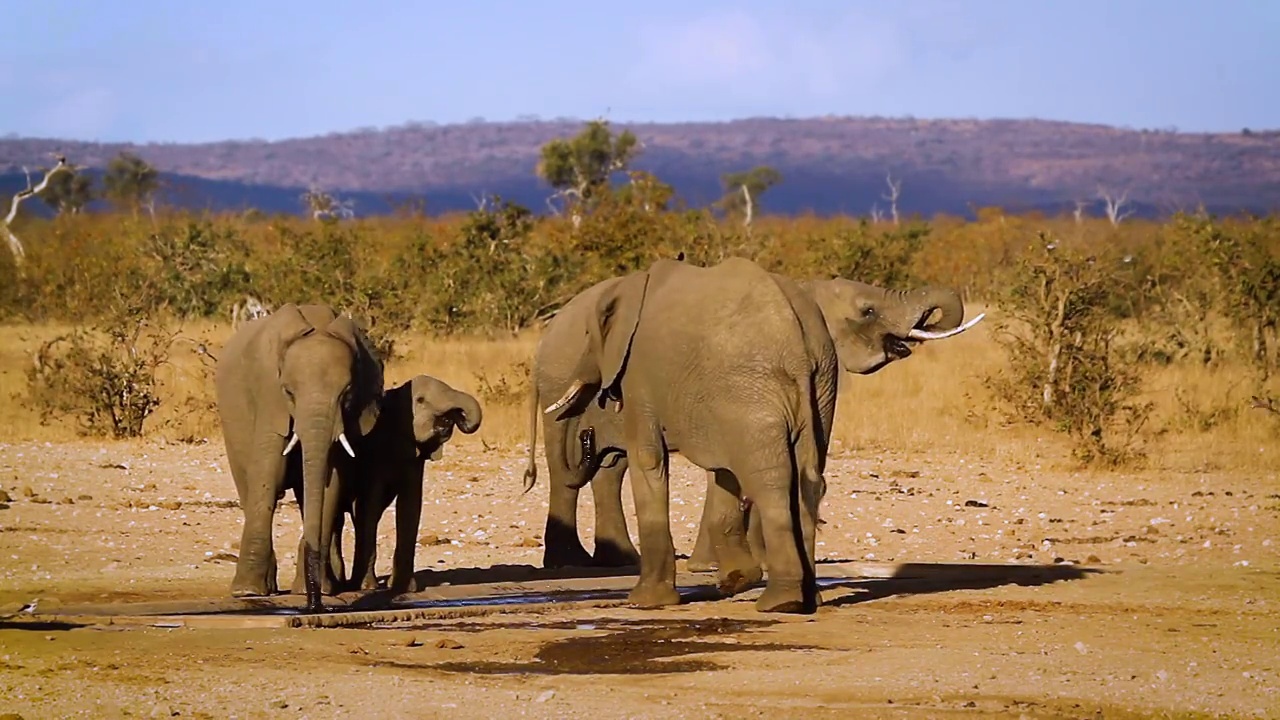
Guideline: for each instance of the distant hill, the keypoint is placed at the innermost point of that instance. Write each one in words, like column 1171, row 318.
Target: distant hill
column 828, row 164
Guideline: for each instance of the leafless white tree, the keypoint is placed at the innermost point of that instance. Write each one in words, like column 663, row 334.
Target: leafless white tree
column 1078, row 214
column 1115, row 205
column 876, row 214
column 323, row 205
column 895, row 191
column 15, row 245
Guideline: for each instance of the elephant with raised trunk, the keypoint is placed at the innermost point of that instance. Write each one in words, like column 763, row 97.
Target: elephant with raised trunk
column 417, row 419
column 295, row 389
column 733, row 368
column 884, row 323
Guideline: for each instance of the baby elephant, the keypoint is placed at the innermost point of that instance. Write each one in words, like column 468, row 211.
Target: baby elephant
column 417, row 419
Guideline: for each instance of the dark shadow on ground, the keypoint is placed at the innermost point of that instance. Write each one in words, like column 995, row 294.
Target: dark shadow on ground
column 40, row 625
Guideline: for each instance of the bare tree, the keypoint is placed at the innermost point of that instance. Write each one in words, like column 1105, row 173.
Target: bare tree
column 1078, row 214
column 876, row 214
column 15, row 245
column 1115, row 205
column 895, row 191
column 323, row 206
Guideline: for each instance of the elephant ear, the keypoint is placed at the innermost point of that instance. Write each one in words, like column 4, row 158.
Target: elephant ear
column 287, row 325
column 368, row 380
column 617, row 316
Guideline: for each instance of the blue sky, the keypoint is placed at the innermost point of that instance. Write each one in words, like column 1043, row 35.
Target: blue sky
column 183, row 71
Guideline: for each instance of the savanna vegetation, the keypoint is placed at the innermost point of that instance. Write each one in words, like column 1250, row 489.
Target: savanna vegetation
column 1114, row 334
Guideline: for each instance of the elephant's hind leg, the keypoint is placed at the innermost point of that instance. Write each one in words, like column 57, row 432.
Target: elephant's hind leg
column 737, row 569
column 771, row 484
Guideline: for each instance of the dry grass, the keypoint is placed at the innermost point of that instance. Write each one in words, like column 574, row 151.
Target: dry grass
column 935, row 400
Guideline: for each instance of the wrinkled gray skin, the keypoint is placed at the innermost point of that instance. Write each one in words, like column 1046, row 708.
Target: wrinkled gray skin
column 292, row 388
column 873, row 318
column 733, row 368
column 417, row 419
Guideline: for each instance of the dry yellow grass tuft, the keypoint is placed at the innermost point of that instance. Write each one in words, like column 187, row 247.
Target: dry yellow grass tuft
column 934, row 401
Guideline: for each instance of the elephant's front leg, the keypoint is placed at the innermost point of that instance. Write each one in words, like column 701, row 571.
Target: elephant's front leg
column 613, row 543
column 408, row 517
column 650, row 488
column 723, row 515
column 561, row 546
column 261, row 476
column 365, row 513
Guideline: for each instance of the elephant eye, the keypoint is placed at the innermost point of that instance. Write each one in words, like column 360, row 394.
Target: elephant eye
column 868, row 311
column 420, row 400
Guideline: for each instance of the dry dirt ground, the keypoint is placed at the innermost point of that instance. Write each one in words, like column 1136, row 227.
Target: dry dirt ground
column 1179, row 621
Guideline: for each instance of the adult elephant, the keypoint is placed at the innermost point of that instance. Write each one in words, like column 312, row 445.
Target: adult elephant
column 291, row 388
column 883, row 323
column 417, row 419
column 734, row 368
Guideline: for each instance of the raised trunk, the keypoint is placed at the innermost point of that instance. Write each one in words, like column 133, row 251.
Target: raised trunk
column 316, row 438
column 471, row 413
column 929, row 299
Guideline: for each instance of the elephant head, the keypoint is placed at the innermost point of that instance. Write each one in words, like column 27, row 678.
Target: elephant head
column 872, row 326
column 331, row 383
column 609, row 331
column 433, row 409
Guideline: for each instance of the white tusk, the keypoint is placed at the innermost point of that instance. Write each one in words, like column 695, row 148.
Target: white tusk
column 926, row 335
column 566, row 398
column 293, row 440
column 342, row 438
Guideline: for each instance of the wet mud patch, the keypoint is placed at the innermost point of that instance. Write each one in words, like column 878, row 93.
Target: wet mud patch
column 629, row 647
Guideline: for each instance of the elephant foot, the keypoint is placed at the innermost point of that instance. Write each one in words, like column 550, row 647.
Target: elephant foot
column 739, row 580
column 700, row 565
column 653, row 596
column 787, row 599
column 612, row 554
column 258, row 587
column 370, row 582
column 299, row 586
column 400, row 585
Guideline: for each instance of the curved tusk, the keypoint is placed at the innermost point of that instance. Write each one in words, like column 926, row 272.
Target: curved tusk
column 342, row 438
column 927, row 335
column 293, row 440
column 566, row 398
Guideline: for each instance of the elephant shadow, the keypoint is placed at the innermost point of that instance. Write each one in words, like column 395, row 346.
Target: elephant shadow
column 928, row 578
column 425, row 579
column 902, row 579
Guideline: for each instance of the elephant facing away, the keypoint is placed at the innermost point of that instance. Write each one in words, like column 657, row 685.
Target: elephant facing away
column 885, row 323
column 294, row 390
column 735, row 368
column 417, row 419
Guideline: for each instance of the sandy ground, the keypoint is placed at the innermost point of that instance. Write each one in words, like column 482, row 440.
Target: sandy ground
column 1181, row 621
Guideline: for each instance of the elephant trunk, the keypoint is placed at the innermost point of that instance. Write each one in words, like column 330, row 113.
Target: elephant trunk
column 929, row 299
column 945, row 300
column 470, row 409
column 316, row 435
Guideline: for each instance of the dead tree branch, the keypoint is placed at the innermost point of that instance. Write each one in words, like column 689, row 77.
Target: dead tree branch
column 1115, row 205
column 895, row 191
column 15, row 245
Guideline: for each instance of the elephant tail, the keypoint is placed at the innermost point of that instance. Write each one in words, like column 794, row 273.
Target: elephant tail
column 531, row 470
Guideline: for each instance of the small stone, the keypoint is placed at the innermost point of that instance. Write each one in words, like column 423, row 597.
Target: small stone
column 171, row 505
column 41, row 500
column 433, row 539
column 68, row 500
column 975, row 503
column 448, row 644
column 544, row 696
column 4, row 506
column 528, row 542
column 5, row 497
column 1093, row 559
column 280, row 703
column 1081, row 648
column 413, row 642
column 10, row 716
column 27, row 491
column 84, row 496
